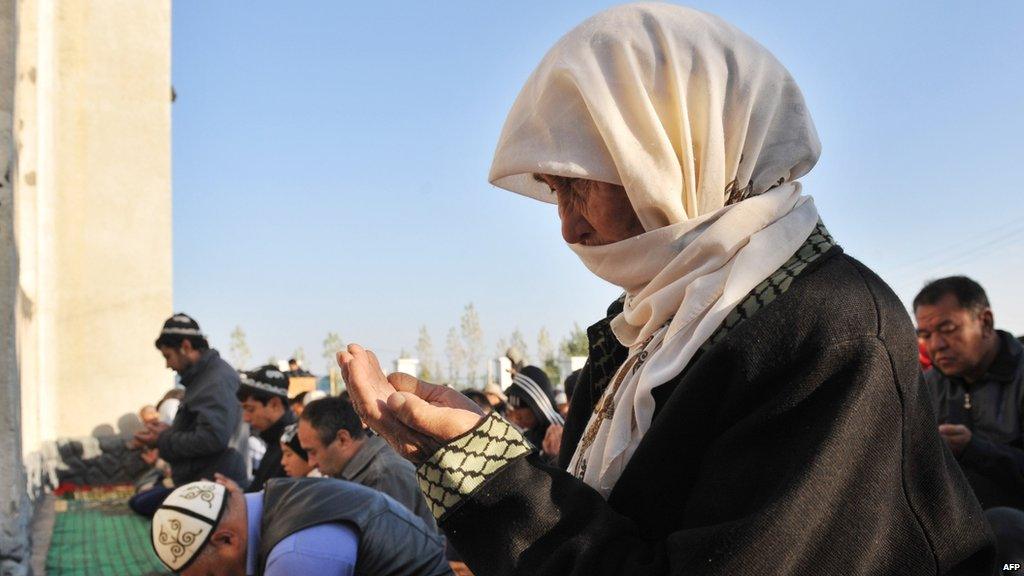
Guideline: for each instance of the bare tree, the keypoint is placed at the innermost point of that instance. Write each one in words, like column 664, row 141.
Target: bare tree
column 517, row 342
column 577, row 343
column 425, row 351
column 546, row 356
column 239, row 349
column 544, row 348
column 332, row 345
column 456, row 356
column 473, row 342
column 501, row 347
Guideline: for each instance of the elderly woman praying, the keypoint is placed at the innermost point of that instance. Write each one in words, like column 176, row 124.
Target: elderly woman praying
column 751, row 404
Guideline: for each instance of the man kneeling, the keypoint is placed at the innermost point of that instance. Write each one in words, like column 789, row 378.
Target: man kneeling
column 295, row 526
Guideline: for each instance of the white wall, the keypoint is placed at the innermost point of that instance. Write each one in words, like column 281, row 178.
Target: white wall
column 93, row 210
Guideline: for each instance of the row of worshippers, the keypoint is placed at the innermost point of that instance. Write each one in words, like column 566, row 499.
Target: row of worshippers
column 327, row 496
column 976, row 380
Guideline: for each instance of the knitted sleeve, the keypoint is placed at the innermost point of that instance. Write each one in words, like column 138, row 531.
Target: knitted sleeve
column 459, row 467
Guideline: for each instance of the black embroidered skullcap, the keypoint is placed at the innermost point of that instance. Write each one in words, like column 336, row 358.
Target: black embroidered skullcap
column 266, row 379
column 290, row 438
column 181, row 324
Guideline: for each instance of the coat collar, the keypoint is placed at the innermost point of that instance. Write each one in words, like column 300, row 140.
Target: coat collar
column 272, row 436
column 1008, row 361
column 367, row 452
column 605, row 352
column 193, row 371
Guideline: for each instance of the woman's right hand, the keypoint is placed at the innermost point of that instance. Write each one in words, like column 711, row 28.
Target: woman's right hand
column 414, row 417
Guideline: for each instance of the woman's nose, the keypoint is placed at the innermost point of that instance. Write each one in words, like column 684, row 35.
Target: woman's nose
column 575, row 228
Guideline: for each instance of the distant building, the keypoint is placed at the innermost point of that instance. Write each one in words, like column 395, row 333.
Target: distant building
column 499, row 370
column 410, row 366
column 568, row 365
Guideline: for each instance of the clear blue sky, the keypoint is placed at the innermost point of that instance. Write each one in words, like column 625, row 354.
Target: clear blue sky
column 330, row 160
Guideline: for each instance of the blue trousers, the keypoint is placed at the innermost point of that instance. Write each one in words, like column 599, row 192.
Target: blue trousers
column 146, row 502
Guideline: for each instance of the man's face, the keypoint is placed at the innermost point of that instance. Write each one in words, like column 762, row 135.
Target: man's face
column 175, row 358
column 149, row 415
column 593, row 213
column 522, row 417
column 329, row 459
column 957, row 339
column 261, row 416
column 218, row 563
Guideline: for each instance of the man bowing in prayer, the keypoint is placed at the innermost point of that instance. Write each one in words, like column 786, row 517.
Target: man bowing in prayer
column 294, row 527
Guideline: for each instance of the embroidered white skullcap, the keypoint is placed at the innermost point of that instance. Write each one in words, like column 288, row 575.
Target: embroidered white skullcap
column 315, row 395
column 184, row 522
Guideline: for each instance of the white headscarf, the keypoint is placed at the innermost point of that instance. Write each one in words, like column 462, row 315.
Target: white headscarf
column 690, row 116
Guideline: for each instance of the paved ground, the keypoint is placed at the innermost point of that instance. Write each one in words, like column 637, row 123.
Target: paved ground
column 95, row 534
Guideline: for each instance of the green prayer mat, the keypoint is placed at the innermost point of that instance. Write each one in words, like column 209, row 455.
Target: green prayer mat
column 100, row 536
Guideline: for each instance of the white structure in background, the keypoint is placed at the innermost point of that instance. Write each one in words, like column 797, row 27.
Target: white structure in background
column 569, row 365
column 410, row 366
column 500, row 370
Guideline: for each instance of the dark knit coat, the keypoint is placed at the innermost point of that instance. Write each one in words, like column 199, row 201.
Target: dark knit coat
column 270, row 465
column 800, row 443
column 198, row 443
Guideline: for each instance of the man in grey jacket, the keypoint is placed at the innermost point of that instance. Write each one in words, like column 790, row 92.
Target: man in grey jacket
column 198, row 443
column 333, row 436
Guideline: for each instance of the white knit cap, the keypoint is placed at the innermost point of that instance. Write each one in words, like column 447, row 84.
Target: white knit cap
column 184, row 522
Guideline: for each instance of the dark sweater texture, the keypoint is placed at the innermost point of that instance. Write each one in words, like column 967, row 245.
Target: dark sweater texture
column 801, row 443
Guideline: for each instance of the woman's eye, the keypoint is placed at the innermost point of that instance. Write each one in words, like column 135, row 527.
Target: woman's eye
column 577, row 200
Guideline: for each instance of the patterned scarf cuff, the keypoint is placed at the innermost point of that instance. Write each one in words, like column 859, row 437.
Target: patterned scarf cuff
column 462, row 465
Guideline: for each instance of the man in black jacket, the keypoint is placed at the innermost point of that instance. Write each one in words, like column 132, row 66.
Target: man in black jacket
column 977, row 383
column 264, row 397
column 198, row 443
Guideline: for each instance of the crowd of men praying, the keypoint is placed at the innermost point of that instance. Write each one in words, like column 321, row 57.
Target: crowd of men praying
column 973, row 372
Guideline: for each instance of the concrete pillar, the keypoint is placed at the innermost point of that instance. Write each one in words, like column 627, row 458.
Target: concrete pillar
column 15, row 509
column 85, row 228
column 93, row 211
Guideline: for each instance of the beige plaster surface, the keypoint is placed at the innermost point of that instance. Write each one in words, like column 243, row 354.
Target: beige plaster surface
column 93, row 210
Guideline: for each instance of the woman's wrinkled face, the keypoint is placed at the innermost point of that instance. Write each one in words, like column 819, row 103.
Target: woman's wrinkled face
column 593, row 213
